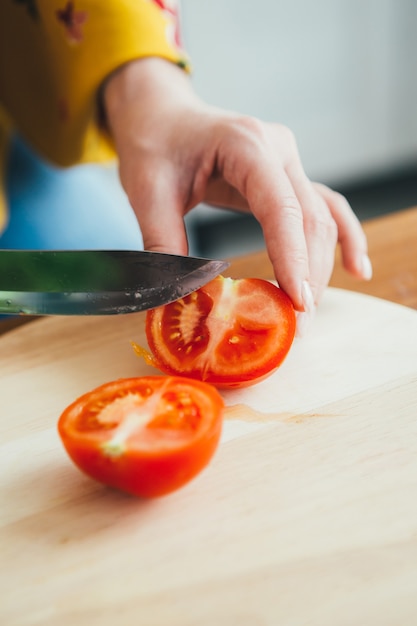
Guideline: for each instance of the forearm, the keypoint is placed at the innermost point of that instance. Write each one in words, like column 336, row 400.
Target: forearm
column 146, row 92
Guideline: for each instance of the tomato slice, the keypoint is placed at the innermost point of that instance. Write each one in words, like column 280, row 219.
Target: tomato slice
column 230, row 333
column 147, row 436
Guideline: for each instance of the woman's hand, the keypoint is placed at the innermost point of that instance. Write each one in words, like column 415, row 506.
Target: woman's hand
column 176, row 151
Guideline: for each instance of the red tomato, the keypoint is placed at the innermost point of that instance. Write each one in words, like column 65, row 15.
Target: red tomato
column 230, row 333
column 147, row 436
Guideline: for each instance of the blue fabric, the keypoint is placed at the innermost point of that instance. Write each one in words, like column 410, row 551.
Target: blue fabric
column 65, row 208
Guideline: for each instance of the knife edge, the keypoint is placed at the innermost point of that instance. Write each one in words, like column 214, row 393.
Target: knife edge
column 97, row 282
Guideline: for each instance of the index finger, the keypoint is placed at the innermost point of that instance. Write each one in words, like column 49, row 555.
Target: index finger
column 280, row 214
column 273, row 201
column 252, row 157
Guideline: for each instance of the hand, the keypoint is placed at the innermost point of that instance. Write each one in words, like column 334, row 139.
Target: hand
column 176, row 151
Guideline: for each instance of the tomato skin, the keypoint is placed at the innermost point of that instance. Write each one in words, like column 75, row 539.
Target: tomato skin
column 159, row 456
column 230, row 333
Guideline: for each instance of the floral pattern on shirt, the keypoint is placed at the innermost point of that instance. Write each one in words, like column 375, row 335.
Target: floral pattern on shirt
column 73, row 21
column 170, row 9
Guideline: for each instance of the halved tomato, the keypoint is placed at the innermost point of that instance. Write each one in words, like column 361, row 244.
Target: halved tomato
column 147, row 436
column 230, row 333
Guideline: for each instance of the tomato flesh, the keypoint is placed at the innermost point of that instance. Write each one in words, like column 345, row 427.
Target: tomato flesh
column 147, row 436
column 229, row 333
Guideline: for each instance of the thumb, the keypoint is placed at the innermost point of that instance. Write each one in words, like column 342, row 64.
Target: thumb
column 160, row 213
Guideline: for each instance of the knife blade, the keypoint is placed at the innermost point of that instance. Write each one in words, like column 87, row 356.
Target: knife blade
column 97, row 282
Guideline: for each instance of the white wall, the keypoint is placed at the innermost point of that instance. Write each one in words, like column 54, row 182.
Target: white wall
column 341, row 73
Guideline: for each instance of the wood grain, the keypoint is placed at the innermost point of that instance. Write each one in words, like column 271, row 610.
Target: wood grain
column 305, row 516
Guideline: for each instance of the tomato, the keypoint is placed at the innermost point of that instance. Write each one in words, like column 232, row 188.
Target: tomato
column 230, row 333
column 147, row 436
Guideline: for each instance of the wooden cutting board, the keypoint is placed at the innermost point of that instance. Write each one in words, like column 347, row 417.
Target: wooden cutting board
column 306, row 515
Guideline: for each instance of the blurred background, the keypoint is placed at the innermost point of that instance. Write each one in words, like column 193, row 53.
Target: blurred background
column 342, row 74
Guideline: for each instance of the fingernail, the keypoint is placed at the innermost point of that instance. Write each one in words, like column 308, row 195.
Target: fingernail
column 366, row 267
column 303, row 322
column 307, row 297
column 304, row 318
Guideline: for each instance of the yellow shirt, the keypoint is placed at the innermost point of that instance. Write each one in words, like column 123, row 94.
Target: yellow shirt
column 54, row 56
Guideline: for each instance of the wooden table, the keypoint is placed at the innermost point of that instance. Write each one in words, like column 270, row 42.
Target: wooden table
column 307, row 515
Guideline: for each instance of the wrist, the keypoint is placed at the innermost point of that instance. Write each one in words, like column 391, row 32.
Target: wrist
column 145, row 83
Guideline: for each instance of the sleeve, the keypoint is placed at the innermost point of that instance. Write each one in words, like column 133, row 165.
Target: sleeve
column 55, row 54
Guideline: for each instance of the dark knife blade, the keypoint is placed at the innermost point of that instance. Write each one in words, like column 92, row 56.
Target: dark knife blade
column 97, row 282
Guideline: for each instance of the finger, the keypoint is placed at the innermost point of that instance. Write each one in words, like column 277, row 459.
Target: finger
column 276, row 206
column 351, row 236
column 320, row 231
column 251, row 158
column 159, row 210
column 262, row 182
column 321, row 236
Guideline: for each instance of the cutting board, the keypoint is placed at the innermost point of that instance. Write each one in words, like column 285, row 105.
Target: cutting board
column 306, row 515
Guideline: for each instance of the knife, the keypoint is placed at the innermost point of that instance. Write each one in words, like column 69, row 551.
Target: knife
column 97, row 282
